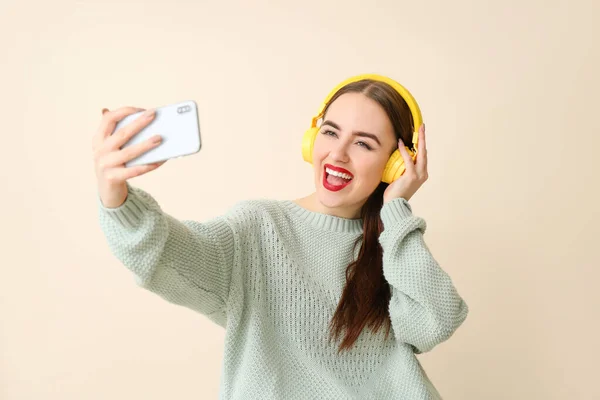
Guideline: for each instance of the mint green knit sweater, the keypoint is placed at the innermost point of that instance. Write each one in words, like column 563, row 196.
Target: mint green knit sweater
column 271, row 273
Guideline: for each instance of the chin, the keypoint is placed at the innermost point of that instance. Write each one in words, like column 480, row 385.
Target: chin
column 331, row 200
column 335, row 201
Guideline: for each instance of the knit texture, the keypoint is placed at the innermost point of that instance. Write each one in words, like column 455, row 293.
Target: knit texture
column 271, row 273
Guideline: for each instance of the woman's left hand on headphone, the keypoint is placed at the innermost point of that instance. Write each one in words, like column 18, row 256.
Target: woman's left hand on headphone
column 415, row 173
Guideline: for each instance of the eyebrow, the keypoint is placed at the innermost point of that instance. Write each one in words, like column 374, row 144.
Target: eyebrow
column 355, row 133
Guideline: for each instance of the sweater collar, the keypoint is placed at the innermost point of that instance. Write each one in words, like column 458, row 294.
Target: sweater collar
column 324, row 221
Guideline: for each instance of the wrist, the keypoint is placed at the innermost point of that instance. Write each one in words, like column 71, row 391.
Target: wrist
column 113, row 197
column 388, row 199
column 395, row 210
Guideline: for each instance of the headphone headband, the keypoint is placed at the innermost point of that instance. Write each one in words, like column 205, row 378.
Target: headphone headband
column 408, row 98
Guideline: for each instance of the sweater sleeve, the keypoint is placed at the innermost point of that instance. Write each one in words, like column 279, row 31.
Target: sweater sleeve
column 425, row 308
column 185, row 262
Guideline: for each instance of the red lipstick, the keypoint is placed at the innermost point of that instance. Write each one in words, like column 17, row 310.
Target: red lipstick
column 329, row 186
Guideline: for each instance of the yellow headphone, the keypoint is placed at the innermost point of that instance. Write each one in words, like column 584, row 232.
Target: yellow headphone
column 395, row 165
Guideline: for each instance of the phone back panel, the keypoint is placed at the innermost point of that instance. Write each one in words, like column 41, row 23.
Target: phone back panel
column 177, row 124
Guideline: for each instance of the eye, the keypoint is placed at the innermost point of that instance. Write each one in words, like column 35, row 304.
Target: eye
column 363, row 144
column 328, row 133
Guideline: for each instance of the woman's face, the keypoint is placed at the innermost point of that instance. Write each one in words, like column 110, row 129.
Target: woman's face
column 355, row 141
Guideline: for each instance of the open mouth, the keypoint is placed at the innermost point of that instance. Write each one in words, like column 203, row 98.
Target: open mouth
column 336, row 178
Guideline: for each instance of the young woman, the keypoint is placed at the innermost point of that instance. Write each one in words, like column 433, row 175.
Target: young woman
column 329, row 296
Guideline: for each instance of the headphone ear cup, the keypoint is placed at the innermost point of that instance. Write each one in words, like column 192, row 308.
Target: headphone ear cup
column 308, row 141
column 395, row 166
column 390, row 172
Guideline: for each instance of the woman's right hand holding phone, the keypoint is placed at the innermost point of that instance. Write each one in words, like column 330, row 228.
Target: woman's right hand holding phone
column 110, row 159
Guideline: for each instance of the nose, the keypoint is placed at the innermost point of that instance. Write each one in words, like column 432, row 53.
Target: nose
column 339, row 151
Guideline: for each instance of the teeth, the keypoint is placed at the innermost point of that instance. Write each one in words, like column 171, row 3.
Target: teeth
column 340, row 174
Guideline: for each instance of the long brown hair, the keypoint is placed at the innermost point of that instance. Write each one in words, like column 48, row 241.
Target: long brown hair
column 365, row 298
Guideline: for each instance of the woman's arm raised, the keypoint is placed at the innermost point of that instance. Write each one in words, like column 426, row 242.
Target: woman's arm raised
column 425, row 307
column 186, row 262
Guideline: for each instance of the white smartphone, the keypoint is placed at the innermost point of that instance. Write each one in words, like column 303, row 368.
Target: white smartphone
column 177, row 124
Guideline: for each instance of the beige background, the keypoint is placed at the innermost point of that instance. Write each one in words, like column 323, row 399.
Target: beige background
column 509, row 93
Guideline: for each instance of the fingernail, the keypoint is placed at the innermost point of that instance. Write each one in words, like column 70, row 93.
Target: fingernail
column 156, row 139
column 104, row 110
column 149, row 113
